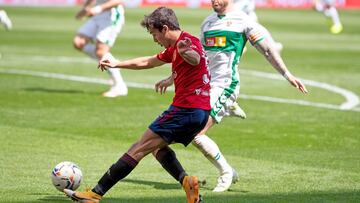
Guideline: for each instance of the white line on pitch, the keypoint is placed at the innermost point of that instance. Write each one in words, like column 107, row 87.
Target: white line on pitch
column 351, row 99
column 148, row 86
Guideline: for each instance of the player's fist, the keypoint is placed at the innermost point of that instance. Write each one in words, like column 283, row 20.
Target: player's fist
column 81, row 14
column 184, row 45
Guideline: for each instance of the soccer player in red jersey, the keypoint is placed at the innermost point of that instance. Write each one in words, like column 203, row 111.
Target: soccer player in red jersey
column 186, row 116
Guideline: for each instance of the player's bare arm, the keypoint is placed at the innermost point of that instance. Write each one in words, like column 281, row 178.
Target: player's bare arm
column 145, row 62
column 273, row 57
column 83, row 12
column 103, row 7
column 187, row 53
column 162, row 85
column 89, row 11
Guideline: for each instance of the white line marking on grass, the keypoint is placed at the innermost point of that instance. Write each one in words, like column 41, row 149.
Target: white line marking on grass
column 352, row 99
column 297, row 102
column 72, row 78
column 64, row 59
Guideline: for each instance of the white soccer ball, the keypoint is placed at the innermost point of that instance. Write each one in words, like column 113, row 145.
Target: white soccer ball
column 66, row 175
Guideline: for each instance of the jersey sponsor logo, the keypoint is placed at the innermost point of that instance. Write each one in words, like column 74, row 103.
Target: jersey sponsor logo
column 216, row 41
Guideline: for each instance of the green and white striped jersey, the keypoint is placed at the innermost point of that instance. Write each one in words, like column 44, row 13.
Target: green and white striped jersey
column 224, row 38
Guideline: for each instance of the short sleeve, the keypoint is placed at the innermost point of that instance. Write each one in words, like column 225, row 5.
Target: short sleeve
column 255, row 32
column 165, row 56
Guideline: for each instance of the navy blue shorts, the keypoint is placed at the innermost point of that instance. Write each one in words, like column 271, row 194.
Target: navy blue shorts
column 180, row 125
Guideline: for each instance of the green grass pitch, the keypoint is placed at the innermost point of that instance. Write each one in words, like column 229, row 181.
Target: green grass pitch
column 284, row 152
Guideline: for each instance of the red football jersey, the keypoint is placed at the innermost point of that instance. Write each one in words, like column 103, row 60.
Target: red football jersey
column 192, row 83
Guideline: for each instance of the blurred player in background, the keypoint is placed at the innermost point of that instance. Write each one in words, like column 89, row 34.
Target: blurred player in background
column 98, row 35
column 185, row 117
column 248, row 7
column 224, row 34
column 5, row 20
column 328, row 8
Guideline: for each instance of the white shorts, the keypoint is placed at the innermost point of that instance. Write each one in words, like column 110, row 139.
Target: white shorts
column 104, row 27
column 221, row 100
column 224, row 82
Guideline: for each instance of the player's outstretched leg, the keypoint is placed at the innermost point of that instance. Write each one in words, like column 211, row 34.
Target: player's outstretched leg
column 83, row 197
column 191, row 187
column 212, row 152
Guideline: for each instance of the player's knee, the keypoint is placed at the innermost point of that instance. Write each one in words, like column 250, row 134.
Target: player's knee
column 165, row 154
column 79, row 43
column 196, row 140
column 154, row 153
column 78, row 46
column 137, row 152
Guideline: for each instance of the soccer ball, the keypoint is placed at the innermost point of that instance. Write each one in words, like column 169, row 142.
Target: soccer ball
column 66, row 175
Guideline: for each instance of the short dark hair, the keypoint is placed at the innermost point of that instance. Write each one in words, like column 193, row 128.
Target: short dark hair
column 160, row 17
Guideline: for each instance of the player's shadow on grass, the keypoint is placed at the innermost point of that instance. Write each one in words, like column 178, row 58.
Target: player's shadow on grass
column 62, row 199
column 209, row 197
column 47, row 90
column 156, row 185
column 175, row 185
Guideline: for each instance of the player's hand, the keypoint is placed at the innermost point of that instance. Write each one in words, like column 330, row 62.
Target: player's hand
column 104, row 64
column 184, row 45
column 94, row 11
column 162, row 85
column 297, row 83
column 186, row 51
column 81, row 14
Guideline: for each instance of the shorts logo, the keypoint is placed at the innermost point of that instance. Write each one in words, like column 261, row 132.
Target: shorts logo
column 215, row 41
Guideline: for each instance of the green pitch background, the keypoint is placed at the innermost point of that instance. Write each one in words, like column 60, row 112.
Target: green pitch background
column 283, row 152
